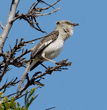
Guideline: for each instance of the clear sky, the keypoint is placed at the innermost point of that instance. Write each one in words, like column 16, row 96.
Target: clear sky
column 84, row 85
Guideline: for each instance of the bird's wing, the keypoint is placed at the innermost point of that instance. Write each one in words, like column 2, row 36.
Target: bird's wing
column 48, row 39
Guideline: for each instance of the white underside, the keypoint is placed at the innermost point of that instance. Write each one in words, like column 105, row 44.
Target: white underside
column 54, row 49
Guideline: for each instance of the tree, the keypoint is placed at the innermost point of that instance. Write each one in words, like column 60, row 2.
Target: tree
column 12, row 57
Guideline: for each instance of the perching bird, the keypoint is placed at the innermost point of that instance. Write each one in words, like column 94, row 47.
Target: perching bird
column 49, row 47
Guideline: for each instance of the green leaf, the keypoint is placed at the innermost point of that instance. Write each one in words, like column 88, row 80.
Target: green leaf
column 31, row 92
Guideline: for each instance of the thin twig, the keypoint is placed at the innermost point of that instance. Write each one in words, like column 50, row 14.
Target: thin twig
column 7, row 85
column 1, row 25
column 48, row 13
column 50, row 5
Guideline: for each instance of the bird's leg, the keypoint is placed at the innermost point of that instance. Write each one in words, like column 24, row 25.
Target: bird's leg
column 44, row 66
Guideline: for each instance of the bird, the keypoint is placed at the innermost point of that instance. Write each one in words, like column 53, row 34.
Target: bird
column 49, row 47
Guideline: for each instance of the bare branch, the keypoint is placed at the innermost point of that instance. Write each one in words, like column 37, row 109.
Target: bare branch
column 50, row 108
column 33, row 13
column 9, row 84
column 1, row 25
column 8, row 25
column 50, row 12
column 35, row 80
column 50, row 5
column 38, row 76
column 45, row 3
column 10, row 59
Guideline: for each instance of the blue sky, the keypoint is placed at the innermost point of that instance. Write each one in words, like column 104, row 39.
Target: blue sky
column 84, row 85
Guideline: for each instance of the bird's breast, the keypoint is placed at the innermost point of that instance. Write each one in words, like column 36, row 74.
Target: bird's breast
column 54, row 49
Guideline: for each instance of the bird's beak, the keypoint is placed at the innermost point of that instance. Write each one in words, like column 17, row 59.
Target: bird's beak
column 75, row 24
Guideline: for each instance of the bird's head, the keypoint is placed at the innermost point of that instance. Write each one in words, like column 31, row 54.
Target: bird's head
column 66, row 26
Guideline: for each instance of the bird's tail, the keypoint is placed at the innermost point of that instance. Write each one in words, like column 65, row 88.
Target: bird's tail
column 21, row 83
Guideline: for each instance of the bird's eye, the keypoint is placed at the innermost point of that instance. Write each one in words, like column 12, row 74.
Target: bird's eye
column 58, row 23
column 66, row 23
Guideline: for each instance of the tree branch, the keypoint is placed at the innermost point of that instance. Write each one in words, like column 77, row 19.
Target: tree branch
column 8, row 25
column 9, row 57
column 9, row 84
column 38, row 76
column 1, row 25
column 33, row 13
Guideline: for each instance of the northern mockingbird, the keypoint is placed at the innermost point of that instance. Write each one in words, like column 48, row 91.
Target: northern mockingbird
column 49, row 47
